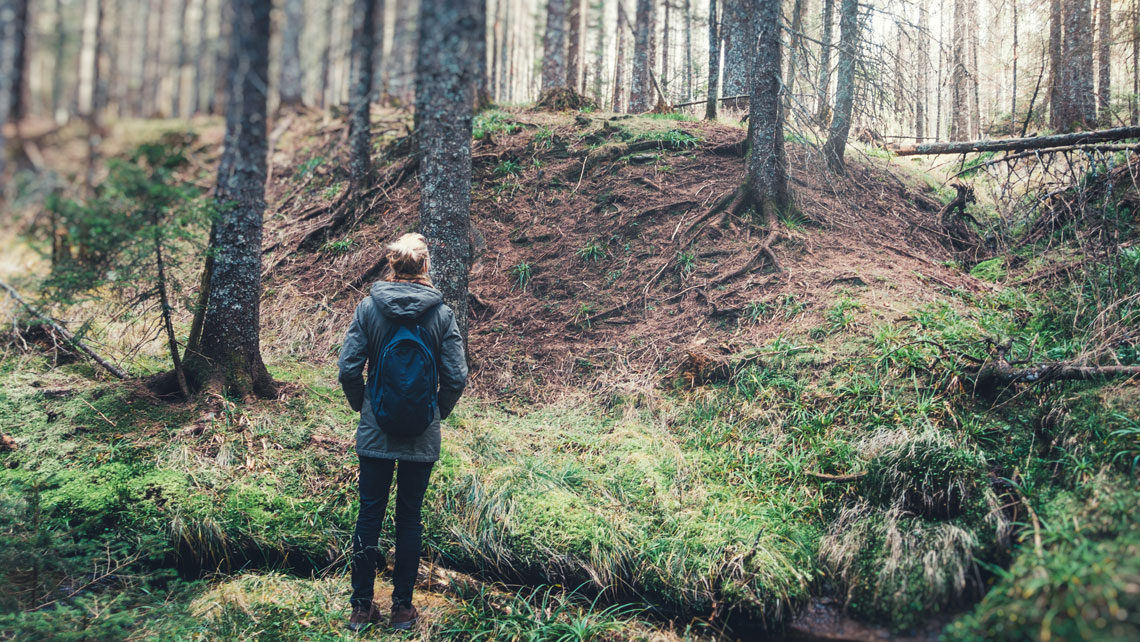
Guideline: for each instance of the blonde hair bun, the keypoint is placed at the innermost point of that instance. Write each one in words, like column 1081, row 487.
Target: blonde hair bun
column 409, row 259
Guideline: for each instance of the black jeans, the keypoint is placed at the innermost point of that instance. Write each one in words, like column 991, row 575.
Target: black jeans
column 375, row 482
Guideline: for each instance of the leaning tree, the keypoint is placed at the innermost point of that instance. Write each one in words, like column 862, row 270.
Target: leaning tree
column 228, row 351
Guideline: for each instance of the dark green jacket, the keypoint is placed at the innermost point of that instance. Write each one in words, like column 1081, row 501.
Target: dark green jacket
column 369, row 328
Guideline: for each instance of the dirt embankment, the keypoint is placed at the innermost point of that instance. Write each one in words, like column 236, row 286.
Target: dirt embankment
column 586, row 251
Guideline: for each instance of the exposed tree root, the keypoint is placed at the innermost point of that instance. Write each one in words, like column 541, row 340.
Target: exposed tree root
column 614, row 151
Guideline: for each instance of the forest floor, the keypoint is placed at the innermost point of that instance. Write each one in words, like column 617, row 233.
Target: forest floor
column 666, row 435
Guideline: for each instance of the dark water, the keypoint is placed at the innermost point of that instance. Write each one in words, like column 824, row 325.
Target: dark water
column 824, row 621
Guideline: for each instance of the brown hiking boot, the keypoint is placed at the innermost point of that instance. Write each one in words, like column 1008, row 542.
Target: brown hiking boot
column 404, row 617
column 362, row 617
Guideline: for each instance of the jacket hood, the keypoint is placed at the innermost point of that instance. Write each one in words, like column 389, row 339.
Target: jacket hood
column 404, row 300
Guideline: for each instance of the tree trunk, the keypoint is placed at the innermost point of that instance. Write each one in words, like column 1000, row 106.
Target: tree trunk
column 360, row 93
column 1134, row 117
column 443, row 113
column 1076, row 108
column 13, row 25
column 796, row 41
column 181, row 63
column 739, row 37
column 230, row 348
column 640, row 91
column 164, row 303
column 1104, row 76
column 959, row 76
column 714, row 62
column 554, row 70
column 688, row 49
column 619, row 62
column 574, row 46
column 921, row 76
column 823, row 110
column 1018, row 144
column 58, row 110
column 975, row 102
column 845, row 86
column 1055, row 94
column 599, row 51
column 400, row 65
column 665, row 52
column 938, row 91
column 379, row 27
column 222, row 57
column 1013, row 91
column 767, row 183
column 479, row 55
column 291, row 87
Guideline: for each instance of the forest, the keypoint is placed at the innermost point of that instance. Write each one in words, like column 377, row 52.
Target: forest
column 780, row 319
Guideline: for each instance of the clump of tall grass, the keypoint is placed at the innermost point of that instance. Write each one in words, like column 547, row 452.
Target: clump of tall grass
column 929, row 474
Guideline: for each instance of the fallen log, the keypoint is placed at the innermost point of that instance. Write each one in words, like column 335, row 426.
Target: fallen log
column 63, row 332
column 1021, row 144
column 1000, row 373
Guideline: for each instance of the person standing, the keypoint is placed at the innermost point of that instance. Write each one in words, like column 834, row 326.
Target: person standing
column 408, row 339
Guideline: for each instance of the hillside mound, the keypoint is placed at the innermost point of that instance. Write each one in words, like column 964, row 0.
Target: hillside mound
column 591, row 248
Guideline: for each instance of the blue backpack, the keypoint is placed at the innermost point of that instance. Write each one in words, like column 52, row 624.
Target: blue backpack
column 403, row 386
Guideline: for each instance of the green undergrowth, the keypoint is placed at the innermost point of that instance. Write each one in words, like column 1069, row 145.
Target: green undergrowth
column 655, row 503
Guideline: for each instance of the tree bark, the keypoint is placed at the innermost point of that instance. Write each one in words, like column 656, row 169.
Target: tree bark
column 738, row 34
column 574, row 46
column 922, row 71
column 401, row 61
column 164, row 303
column 222, row 55
column 619, row 62
column 360, row 93
column 13, row 24
column 688, row 49
column 767, row 182
column 959, row 76
column 1013, row 91
column 1104, row 76
column 479, row 55
column 444, row 87
column 554, row 68
column 640, row 91
column 1076, row 107
column 1055, row 94
column 796, row 41
column 230, row 348
column 291, row 86
column 599, row 51
column 1134, row 117
column 182, row 61
column 823, row 110
column 1018, row 144
column 1000, row 373
column 836, row 143
column 665, row 52
column 379, row 28
column 714, row 62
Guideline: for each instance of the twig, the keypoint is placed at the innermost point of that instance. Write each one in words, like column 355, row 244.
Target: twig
column 82, row 347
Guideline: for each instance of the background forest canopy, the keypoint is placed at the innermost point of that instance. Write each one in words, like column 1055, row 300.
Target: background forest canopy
column 954, row 69
column 804, row 319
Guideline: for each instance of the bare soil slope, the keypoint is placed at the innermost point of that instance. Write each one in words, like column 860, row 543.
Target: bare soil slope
column 586, row 250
